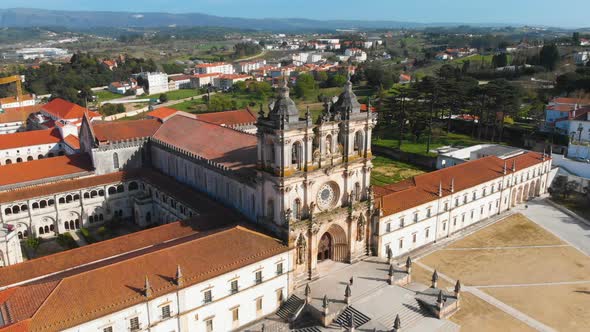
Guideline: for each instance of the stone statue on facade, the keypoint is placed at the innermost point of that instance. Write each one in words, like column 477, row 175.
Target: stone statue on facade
column 301, row 249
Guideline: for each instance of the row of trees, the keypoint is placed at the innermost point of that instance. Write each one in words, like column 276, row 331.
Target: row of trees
column 413, row 109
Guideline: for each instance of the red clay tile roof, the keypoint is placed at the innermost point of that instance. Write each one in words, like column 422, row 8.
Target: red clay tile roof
column 72, row 141
column 233, row 149
column 213, row 64
column 123, row 130
column 18, row 114
column 118, row 284
column 234, row 76
column 180, row 78
column 561, row 107
column 29, row 138
column 45, row 169
column 207, row 75
column 162, row 113
column 572, row 101
column 229, row 118
column 63, row 109
column 424, row 188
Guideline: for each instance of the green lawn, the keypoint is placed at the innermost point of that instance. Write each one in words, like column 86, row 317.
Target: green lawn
column 419, row 147
column 191, row 106
column 387, row 171
column 176, row 94
column 104, row 95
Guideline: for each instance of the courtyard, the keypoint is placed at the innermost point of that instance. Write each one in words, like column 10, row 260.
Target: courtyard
column 517, row 276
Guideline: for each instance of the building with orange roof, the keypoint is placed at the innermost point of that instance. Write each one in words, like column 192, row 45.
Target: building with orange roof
column 242, row 120
column 560, row 111
column 13, row 120
column 30, row 145
column 432, row 206
column 215, row 67
column 13, row 102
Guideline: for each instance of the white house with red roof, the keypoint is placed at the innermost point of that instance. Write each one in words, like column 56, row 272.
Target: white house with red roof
column 13, row 102
column 215, row 67
column 62, row 111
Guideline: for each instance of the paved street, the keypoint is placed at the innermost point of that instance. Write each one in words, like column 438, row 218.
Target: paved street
column 557, row 222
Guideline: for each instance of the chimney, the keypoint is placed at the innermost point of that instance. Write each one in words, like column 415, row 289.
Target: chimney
column 514, row 165
column 147, row 289
column 504, row 169
column 409, row 265
column 179, row 278
column 440, row 189
column 453, row 184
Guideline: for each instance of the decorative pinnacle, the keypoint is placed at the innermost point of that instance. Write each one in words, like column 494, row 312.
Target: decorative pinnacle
column 147, row 289
column 397, row 323
column 409, row 262
column 179, row 277
column 458, row 286
column 347, row 291
column 352, row 319
column 325, row 301
column 440, row 299
column 391, row 270
column 307, row 290
column 434, row 276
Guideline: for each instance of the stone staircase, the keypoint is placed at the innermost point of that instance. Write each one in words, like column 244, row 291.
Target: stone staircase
column 290, row 308
column 344, row 318
column 410, row 313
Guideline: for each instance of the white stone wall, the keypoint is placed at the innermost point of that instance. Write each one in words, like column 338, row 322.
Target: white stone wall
column 33, row 152
column 11, row 127
column 461, row 211
column 129, row 155
column 189, row 312
column 10, row 250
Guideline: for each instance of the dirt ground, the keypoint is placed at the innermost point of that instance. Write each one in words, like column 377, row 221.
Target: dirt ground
column 511, row 266
column 563, row 307
column 479, row 316
column 424, row 276
column 515, row 230
column 517, row 262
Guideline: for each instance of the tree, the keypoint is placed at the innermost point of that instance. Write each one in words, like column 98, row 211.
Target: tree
column 321, row 76
column 549, row 56
column 33, row 243
column 500, row 60
column 163, row 98
column 576, row 38
column 381, row 76
column 304, row 86
column 337, row 80
column 220, row 102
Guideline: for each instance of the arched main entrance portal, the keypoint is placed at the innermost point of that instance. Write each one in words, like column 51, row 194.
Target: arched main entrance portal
column 333, row 245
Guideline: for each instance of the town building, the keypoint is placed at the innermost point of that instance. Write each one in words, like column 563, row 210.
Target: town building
column 582, row 58
column 225, row 82
column 246, row 67
column 60, row 112
column 122, row 87
column 356, row 54
column 30, row 145
column 14, row 102
column 579, row 133
column 14, row 120
column 178, row 82
column 560, row 111
column 215, row 67
column 203, row 80
column 451, row 156
column 154, row 83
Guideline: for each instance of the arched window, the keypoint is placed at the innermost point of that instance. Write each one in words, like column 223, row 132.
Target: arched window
column 50, row 202
column 297, row 209
column 115, row 160
column 7, row 211
column 93, row 194
column 91, row 219
column 329, row 144
column 46, row 228
column 20, row 235
column 76, row 197
column 296, row 155
column 112, row 190
column 68, row 198
column 51, row 227
column 8, row 162
column 26, row 233
column 15, row 209
column 29, row 158
column 357, row 191
column 43, row 204
column 19, row 160
column 61, row 200
column 35, row 206
column 100, row 217
column 358, row 142
column 86, row 195
column 101, row 193
column 61, row 153
column 40, row 156
column 120, row 188
column 133, row 186
column 67, row 225
column 50, row 154
column 41, row 232
column 24, row 208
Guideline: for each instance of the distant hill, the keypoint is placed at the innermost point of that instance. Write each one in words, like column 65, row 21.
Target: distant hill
column 27, row 17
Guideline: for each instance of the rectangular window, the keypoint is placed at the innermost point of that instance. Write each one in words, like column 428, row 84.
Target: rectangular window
column 474, row 195
column 134, row 324
column 490, row 207
column 456, row 202
column 465, row 199
column 207, row 297
column 401, row 243
column 388, row 227
column 497, row 202
column 279, row 297
column 454, row 222
column 209, row 325
column 416, row 217
column 472, row 212
column 428, row 213
column 414, row 238
column 279, row 269
column 444, row 226
column 234, row 286
column 258, row 277
column 481, row 212
column 235, row 314
column 108, row 329
column 446, row 206
column 427, row 233
column 259, row 304
column 166, row 311
column 463, row 217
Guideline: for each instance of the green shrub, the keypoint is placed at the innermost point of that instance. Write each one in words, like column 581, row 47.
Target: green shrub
column 87, row 236
column 67, row 241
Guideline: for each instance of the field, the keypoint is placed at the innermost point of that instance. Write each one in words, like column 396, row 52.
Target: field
column 522, row 265
column 176, row 94
column 419, row 147
column 387, row 171
column 105, row 95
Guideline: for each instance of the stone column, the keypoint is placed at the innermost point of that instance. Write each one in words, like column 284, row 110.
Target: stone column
column 312, row 260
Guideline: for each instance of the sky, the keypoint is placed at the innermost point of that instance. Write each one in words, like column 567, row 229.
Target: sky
column 535, row 12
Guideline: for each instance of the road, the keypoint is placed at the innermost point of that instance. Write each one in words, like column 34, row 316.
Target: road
column 145, row 109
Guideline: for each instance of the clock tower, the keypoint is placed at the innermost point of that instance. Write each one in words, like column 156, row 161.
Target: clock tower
column 314, row 179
